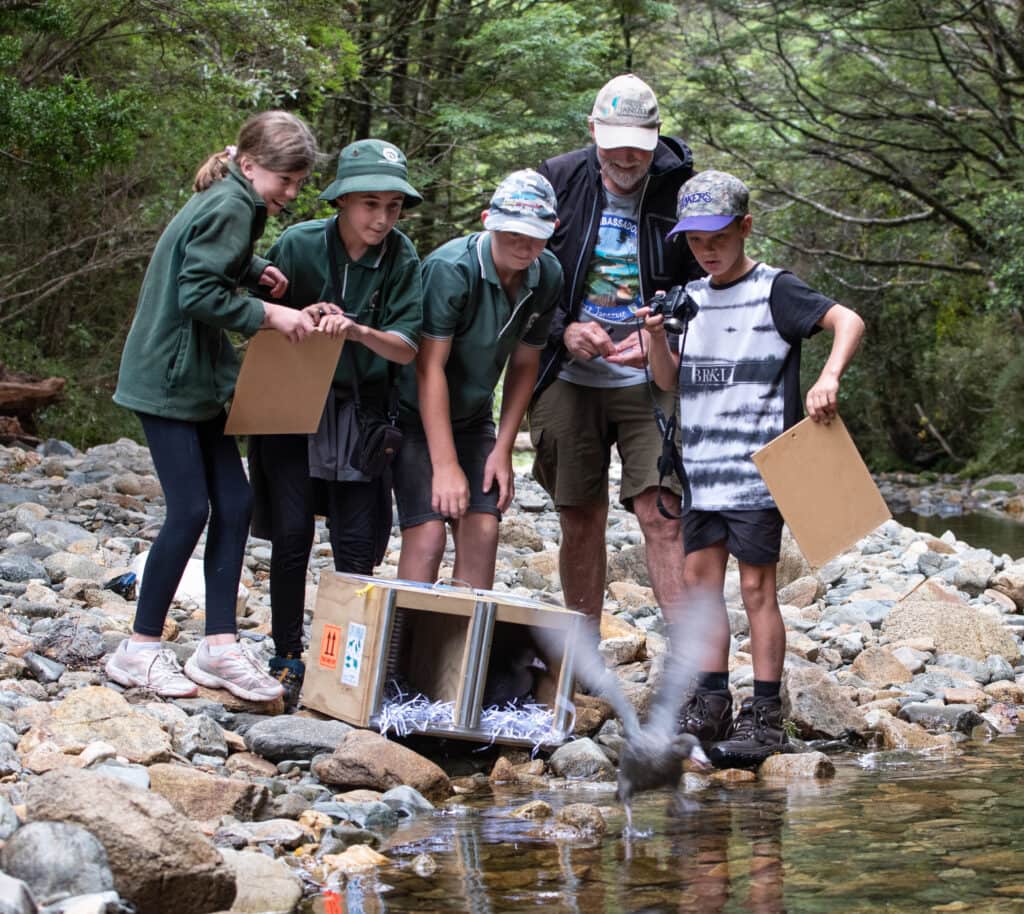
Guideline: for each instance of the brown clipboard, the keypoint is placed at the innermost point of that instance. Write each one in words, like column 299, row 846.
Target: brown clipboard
column 822, row 487
column 282, row 387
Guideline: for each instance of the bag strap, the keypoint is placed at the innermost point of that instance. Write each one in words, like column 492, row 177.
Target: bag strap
column 338, row 293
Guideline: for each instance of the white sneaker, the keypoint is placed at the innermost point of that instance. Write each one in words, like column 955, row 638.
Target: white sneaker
column 234, row 670
column 156, row 670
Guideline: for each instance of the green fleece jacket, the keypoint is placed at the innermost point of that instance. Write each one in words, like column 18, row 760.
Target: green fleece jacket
column 178, row 362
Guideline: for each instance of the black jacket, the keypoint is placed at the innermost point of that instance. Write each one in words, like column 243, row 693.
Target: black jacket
column 576, row 178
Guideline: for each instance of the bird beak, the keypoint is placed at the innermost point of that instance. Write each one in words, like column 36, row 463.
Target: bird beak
column 698, row 757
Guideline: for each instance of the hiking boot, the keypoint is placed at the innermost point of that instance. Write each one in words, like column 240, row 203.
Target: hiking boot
column 708, row 716
column 756, row 733
column 157, row 670
column 234, row 670
column 289, row 670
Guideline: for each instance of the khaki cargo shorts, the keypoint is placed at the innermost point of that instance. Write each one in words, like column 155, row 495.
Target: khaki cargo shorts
column 573, row 429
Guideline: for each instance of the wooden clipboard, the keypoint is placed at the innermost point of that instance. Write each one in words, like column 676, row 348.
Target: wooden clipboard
column 822, row 487
column 282, row 387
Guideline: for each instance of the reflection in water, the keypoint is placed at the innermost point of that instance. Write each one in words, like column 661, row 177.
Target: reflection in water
column 892, row 833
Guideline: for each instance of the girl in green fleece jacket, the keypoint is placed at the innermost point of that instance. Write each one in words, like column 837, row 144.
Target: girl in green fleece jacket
column 178, row 370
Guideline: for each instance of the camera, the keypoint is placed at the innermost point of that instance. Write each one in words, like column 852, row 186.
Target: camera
column 677, row 307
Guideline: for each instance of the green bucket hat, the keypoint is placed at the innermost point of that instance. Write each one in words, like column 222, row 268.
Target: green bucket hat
column 372, row 165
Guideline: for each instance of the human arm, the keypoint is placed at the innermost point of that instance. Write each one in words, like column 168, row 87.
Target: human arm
column 847, row 329
column 450, row 488
column 520, row 376
column 663, row 361
column 388, row 345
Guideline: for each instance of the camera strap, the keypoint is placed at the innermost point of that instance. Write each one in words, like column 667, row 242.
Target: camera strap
column 670, row 461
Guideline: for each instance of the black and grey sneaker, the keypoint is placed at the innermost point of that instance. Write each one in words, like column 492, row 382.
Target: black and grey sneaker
column 708, row 716
column 289, row 670
column 757, row 733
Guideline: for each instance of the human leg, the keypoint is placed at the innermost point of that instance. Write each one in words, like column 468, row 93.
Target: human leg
column 230, row 513
column 422, row 551
column 356, row 513
column 572, row 441
column 286, row 469
column 663, row 547
column 476, row 546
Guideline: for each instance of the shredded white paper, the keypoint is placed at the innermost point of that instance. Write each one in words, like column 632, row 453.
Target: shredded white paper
column 403, row 714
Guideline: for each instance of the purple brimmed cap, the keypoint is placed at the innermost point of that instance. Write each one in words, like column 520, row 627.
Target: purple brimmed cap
column 626, row 114
column 709, row 201
column 524, row 203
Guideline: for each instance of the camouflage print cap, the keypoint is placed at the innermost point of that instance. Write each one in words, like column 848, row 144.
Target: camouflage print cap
column 524, row 203
column 626, row 114
column 709, row 201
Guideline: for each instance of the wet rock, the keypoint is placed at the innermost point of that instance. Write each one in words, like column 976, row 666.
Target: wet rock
column 535, row 809
column 878, row 666
column 355, row 859
column 424, row 866
column 503, row 772
column 960, row 718
column 817, row 705
column 959, row 629
column 265, row 885
column 407, row 801
column 581, row 758
column 159, row 862
column 199, row 795
column 899, row 734
column 365, row 759
column 97, row 713
column 584, row 817
column 372, row 814
column 57, row 860
column 295, row 737
column 797, row 766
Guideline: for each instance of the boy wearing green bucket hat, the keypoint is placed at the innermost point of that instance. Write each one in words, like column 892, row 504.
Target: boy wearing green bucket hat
column 358, row 260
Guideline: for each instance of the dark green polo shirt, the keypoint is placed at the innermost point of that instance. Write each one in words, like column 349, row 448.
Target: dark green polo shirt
column 463, row 300
column 382, row 290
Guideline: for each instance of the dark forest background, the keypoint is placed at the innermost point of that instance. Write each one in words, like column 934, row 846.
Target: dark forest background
column 882, row 139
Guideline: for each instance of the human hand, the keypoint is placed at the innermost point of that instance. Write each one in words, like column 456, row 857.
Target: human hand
column 275, row 280
column 335, row 323
column 822, row 399
column 587, row 340
column 498, row 469
column 295, row 325
column 632, row 351
column 449, row 491
column 320, row 309
column 654, row 324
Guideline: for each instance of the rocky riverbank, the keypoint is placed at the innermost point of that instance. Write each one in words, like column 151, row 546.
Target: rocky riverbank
column 112, row 800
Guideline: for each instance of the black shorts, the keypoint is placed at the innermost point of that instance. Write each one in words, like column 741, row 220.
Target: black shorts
column 754, row 537
column 412, row 474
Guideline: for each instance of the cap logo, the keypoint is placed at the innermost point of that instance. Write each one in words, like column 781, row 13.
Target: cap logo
column 390, row 154
column 626, row 107
column 700, row 197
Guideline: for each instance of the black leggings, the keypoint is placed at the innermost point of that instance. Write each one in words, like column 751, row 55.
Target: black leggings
column 202, row 477
column 357, row 512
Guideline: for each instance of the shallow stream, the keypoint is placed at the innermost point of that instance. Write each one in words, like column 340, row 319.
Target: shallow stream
column 893, row 832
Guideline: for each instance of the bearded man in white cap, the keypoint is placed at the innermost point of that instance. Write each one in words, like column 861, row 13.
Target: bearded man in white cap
column 616, row 205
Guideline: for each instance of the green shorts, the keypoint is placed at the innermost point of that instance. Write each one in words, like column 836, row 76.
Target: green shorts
column 573, row 429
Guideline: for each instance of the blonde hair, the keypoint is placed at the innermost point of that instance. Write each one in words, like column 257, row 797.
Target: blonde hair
column 275, row 140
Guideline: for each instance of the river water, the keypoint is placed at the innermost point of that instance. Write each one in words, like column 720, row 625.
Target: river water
column 892, row 832
column 989, row 531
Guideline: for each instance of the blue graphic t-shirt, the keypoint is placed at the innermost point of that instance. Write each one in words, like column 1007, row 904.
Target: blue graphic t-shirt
column 612, row 292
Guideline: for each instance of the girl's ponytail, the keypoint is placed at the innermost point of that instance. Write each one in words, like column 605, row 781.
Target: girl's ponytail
column 213, row 169
column 276, row 140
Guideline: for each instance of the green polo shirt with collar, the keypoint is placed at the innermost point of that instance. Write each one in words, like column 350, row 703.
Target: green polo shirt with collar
column 463, row 300
column 382, row 290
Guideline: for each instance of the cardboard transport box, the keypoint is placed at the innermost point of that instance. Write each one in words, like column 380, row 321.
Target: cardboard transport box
column 446, row 644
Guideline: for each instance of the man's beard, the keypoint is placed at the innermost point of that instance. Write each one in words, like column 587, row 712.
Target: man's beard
column 627, row 178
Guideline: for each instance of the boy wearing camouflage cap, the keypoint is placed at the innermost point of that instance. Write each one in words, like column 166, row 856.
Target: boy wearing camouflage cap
column 488, row 299
column 738, row 389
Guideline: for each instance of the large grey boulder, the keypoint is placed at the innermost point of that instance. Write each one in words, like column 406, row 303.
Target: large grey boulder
column 294, row 737
column 160, row 862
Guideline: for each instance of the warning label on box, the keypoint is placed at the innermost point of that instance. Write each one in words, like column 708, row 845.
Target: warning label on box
column 353, row 653
column 330, row 644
